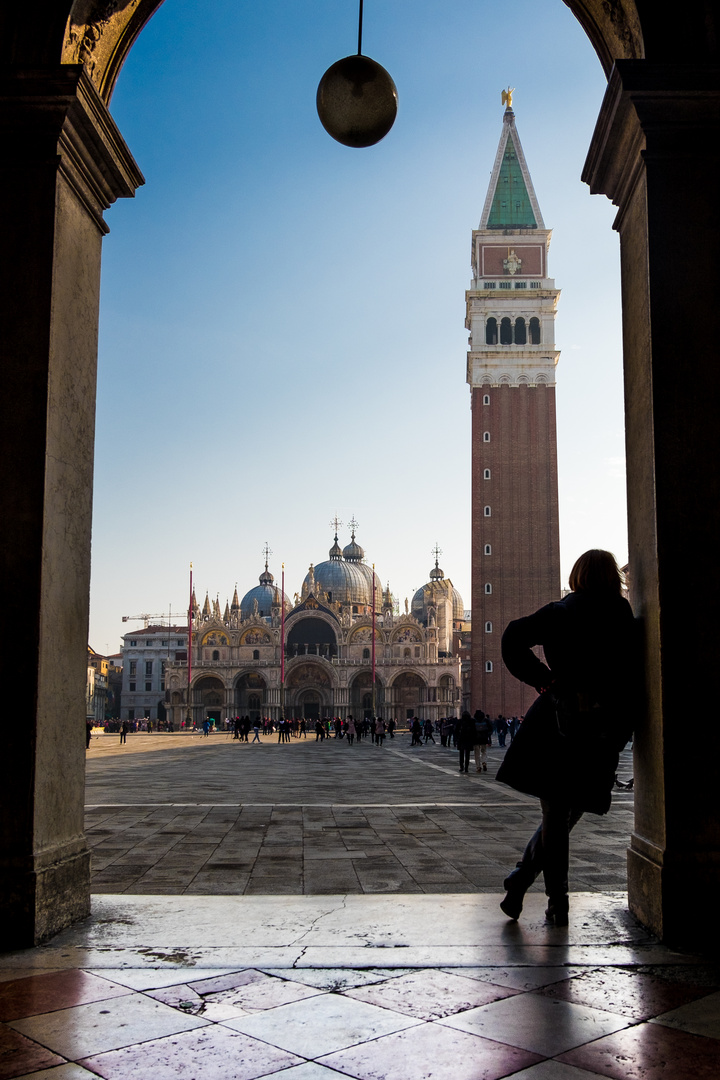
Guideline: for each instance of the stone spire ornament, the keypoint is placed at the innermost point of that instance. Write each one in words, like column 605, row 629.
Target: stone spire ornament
column 357, row 99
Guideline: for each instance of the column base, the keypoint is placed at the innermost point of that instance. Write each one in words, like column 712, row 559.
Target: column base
column 39, row 903
column 675, row 896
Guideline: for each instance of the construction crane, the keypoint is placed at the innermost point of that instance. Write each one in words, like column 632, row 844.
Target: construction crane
column 147, row 618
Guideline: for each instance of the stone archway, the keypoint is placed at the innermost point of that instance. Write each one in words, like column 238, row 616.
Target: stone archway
column 66, row 163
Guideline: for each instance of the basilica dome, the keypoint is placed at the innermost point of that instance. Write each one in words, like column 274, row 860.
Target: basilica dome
column 265, row 594
column 423, row 598
column 344, row 578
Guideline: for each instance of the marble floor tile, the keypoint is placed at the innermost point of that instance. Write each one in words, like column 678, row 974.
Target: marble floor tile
column 537, row 1023
column 331, row 978
column 321, row 1024
column 701, row 1017
column 60, row 1072
column 649, row 1052
column 520, row 978
column 105, row 1025
column 631, row 993
column 554, row 1070
column 137, row 978
column 429, row 995
column 430, row 1052
column 50, row 992
column 19, row 1055
column 213, row 1053
column 243, row 993
column 310, row 1070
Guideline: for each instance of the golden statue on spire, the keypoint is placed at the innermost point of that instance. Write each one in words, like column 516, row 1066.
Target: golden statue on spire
column 506, row 96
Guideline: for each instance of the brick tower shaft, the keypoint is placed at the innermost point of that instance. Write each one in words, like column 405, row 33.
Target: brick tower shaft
column 511, row 308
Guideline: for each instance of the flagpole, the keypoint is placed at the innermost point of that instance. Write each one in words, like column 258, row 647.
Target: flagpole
column 373, row 644
column 189, row 654
column 282, row 643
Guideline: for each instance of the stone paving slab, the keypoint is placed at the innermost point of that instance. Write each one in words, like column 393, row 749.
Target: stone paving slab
column 215, row 816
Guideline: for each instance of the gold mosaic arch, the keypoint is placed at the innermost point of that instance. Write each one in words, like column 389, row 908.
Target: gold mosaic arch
column 255, row 636
column 215, row 637
column 406, row 635
column 363, row 634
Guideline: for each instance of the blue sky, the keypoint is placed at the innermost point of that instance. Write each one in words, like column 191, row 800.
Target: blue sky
column 282, row 318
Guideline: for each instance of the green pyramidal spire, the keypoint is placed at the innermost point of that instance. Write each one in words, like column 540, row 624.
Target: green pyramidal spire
column 511, row 202
column 511, row 207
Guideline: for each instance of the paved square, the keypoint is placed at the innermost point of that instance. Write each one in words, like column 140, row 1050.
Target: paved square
column 183, row 814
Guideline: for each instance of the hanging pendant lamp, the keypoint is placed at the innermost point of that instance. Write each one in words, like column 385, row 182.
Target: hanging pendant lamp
column 357, row 99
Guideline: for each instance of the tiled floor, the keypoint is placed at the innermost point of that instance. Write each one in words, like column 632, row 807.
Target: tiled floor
column 177, row 814
column 377, row 988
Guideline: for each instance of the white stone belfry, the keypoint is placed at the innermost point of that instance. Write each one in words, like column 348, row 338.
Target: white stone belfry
column 511, row 303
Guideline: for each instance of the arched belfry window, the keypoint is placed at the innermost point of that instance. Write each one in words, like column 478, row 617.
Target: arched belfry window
column 486, row 436
column 506, row 334
column 486, row 474
column 488, row 512
column 488, row 588
column 520, row 331
column 534, row 331
column 488, row 666
column 488, row 549
column 491, row 332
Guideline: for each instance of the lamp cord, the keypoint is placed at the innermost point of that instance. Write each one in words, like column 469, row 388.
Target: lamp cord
column 360, row 29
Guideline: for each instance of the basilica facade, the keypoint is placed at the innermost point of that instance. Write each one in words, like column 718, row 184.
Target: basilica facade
column 338, row 648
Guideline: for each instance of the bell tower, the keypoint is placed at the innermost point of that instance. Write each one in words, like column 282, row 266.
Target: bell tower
column 511, row 307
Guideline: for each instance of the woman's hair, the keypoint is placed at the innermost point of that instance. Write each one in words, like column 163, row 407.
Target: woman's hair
column 596, row 572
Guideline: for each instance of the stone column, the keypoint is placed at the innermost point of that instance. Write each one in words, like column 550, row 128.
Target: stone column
column 63, row 163
column 655, row 154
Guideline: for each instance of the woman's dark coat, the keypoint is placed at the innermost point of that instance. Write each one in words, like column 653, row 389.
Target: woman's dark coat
column 568, row 745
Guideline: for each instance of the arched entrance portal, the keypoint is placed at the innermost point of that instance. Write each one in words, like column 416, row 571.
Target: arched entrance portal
column 250, row 695
column 308, row 691
column 409, row 695
column 69, row 163
column 208, row 697
column 361, row 696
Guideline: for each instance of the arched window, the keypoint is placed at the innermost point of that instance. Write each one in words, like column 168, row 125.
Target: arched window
column 488, row 665
column 488, row 588
column 486, row 474
column 534, row 331
column 506, row 334
column 256, row 654
column 487, row 511
column 520, row 331
column 488, row 549
column 488, row 628
column 406, row 652
column 216, row 654
column 491, row 333
column 486, row 436
column 486, row 399
column 366, row 654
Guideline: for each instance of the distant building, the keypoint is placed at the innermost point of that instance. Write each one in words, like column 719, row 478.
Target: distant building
column 103, row 686
column 145, row 656
column 511, row 308
column 322, row 665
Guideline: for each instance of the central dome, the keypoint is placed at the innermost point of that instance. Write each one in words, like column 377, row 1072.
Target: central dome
column 345, row 579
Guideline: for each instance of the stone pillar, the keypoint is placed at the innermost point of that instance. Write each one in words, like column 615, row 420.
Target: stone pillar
column 63, row 163
column 655, row 154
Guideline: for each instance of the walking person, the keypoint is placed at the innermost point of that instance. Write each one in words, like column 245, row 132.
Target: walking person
column 350, row 730
column 124, row 728
column 483, row 734
column 428, row 731
column 256, row 732
column 566, row 750
column 465, row 736
column 379, row 731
